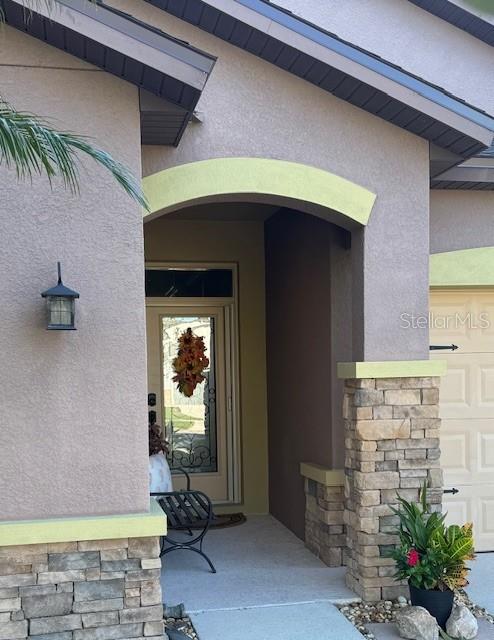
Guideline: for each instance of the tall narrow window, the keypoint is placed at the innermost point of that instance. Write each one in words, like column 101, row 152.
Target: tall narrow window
column 190, row 423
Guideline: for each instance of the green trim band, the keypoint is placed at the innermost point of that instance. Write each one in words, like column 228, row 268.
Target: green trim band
column 464, row 268
column 135, row 525
column 322, row 475
column 392, row 369
column 260, row 180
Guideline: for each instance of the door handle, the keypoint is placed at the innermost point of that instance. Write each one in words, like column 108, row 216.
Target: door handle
column 452, row 491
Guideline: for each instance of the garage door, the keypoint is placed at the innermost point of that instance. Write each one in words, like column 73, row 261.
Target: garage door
column 466, row 318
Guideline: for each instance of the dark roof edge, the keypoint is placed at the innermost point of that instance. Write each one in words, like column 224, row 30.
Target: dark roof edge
column 129, row 49
column 371, row 61
column 162, row 34
column 459, row 17
column 342, row 69
column 469, row 175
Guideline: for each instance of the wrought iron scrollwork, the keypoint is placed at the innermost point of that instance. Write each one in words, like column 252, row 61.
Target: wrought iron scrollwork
column 192, row 453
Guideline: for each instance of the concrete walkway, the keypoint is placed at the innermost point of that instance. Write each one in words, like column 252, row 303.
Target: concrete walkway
column 481, row 578
column 267, row 583
column 311, row 621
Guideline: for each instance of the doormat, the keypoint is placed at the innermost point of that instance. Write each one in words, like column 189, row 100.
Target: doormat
column 219, row 521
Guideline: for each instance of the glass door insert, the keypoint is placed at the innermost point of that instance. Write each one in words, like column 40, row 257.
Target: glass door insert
column 190, row 422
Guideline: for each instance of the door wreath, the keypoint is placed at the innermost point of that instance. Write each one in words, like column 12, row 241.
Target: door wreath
column 190, row 362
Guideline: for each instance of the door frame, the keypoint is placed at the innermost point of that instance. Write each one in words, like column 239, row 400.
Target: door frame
column 232, row 351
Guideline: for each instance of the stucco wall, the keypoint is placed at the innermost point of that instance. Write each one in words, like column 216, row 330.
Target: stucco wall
column 461, row 220
column 240, row 241
column 299, row 356
column 412, row 38
column 73, row 436
column 251, row 108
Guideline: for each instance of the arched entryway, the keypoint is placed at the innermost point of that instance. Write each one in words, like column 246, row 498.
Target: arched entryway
column 263, row 180
column 281, row 229
column 277, row 236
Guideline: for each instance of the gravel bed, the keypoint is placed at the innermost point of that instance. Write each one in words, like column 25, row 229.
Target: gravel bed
column 478, row 612
column 362, row 613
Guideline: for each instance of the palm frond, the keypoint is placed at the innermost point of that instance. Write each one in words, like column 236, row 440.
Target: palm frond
column 31, row 146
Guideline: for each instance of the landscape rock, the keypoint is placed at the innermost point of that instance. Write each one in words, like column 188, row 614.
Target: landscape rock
column 462, row 623
column 416, row 623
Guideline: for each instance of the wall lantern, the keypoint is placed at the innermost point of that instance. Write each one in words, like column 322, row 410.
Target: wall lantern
column 60, row 301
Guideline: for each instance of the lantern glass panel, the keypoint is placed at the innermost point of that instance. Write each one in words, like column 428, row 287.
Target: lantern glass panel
column 61, row 311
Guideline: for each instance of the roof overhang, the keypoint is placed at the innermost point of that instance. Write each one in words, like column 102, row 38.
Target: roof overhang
column 344, row 70
column 475, row 174
column 168, row 68
column 460, row 17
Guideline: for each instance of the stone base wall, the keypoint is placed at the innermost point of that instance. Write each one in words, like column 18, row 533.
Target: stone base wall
column 91, row 590
column 325, row 532
column 392, row 445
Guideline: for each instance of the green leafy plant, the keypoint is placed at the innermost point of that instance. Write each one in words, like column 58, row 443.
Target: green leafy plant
column 431, row 555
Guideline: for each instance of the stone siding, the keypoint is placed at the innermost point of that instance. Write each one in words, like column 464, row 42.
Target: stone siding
column 324, row 529
column 90, row 590
column 391, row 446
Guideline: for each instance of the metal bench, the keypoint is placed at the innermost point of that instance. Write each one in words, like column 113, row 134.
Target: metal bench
column 186, row 510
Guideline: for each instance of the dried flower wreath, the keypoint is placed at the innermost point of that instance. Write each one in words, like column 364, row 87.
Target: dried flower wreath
column 190, row 362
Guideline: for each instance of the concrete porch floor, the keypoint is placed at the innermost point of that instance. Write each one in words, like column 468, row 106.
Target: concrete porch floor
column 259, row 563
column 267, row 585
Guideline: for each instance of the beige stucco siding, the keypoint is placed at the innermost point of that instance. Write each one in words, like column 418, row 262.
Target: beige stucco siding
column 73, row 437
column 461, row 220
column 412, row 38
column 251, row 108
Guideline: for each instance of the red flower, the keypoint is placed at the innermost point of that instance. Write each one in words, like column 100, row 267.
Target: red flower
column 412, row 557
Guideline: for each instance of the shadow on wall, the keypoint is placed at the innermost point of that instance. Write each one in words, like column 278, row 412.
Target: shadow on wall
column 300, row 314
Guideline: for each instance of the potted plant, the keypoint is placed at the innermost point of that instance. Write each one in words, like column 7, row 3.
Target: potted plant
column 160, row 479
column 431, row 556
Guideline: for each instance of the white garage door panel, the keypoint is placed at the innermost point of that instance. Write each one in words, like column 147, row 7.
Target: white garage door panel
column 467, row 389
column 459, row 508
column 456, row 446
column 466, row 318
column 474, row 504
column 467, row 448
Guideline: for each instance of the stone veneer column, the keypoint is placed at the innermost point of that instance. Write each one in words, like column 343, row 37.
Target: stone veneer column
column 391, row 445
column 88, row 590
column 324, row 529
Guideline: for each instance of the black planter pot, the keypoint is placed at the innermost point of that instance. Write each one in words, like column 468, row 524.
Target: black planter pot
column 438, row 603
